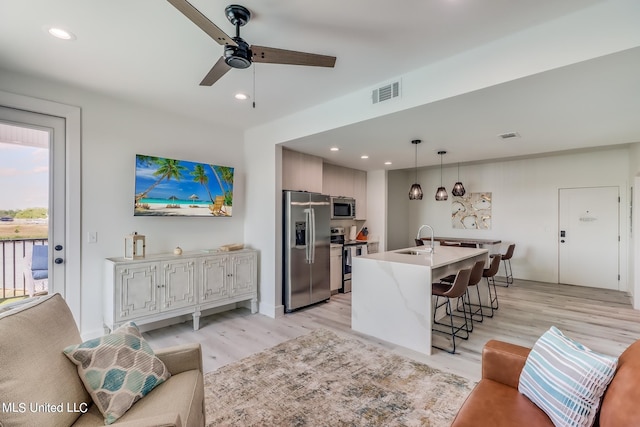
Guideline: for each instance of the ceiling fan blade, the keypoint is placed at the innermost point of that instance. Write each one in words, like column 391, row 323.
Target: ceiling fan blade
column 218, row 70
column 203, row 22
column 272, row 55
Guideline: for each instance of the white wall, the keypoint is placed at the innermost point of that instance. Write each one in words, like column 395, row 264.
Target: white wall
column 524, row 205
column 263, row 219
column 112, row 133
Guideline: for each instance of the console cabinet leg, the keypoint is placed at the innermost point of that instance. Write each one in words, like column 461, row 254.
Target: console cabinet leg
column 196, row 320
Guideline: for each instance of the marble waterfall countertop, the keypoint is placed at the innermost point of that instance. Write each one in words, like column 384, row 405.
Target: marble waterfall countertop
column 391, row 291
column 421, row 255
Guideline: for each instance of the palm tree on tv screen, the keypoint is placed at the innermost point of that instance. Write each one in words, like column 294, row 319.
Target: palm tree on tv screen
column 224, row 174
column 167, row 169
column 200, row 176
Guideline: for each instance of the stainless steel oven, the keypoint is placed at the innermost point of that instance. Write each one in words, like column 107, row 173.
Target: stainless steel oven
column 348, row 252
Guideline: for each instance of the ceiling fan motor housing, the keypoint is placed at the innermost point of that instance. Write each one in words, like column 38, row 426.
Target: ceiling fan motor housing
column 238, row 56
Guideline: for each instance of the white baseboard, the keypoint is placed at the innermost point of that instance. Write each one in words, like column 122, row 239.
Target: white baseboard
column 273, row 311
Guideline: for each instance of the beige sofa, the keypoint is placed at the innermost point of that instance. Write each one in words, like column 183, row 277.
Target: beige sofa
column 39, row 386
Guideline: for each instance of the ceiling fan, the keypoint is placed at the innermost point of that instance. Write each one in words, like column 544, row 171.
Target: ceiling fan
column 237, row 52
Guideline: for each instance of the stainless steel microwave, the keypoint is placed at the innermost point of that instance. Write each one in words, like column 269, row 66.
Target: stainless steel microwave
column 343, row 208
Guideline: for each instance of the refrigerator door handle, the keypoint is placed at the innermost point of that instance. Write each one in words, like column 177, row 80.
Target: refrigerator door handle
column 312, row 243
column 307, row 236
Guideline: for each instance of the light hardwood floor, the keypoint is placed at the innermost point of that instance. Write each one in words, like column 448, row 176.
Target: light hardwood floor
column 601, row 319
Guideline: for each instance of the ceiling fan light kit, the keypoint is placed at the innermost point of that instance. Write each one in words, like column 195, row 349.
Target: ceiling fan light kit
column 415, row 192
column 237, row 52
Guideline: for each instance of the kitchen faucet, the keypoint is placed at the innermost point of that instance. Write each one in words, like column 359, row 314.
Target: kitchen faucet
column 430, row 228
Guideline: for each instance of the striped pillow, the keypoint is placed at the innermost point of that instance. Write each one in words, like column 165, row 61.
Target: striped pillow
column 566, row 379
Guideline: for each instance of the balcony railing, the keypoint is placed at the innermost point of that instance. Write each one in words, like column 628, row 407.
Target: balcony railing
column 16, row 255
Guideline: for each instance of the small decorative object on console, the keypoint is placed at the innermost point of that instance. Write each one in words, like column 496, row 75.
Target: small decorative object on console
column 232, row 247
column 134, row 246
column 177, row 250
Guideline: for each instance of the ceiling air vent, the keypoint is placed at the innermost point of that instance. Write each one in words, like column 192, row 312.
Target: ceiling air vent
column 509, row 135
column 386, row 92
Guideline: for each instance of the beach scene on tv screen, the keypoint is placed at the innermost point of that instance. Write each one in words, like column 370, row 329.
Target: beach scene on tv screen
column 169, row 187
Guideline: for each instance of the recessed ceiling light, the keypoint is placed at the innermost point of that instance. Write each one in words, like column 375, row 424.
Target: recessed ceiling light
column 61, row 33
column 364, row 156
column 334, row 149
column 241, row 96
column 387, row 163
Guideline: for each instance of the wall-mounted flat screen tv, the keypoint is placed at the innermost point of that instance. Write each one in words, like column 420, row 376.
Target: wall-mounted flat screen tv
column 178, row 188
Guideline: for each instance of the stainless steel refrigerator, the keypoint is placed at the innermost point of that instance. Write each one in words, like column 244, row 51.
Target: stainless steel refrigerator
column 306, row 247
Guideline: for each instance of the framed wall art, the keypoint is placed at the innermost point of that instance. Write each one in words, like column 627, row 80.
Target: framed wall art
column 471, row 211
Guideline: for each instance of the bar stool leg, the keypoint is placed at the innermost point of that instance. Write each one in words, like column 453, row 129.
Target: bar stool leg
column 464, row 304
column 455, row 330
column 491, row 282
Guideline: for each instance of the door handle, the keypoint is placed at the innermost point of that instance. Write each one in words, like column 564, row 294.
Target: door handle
column 562, row 241
column 58, row 247
column 58, row 260
column 307, row 236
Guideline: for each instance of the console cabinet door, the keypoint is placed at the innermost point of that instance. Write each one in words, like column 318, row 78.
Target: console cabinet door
column 213, row 282
column 136, row 290
column 178, row 285
column 243, row 274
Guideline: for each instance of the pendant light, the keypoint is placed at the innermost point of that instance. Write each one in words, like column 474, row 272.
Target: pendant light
column 415, row 193
column 441, row 193
column 458, row 188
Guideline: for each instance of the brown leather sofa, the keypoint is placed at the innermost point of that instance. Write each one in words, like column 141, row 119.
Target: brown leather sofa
column 496, row 402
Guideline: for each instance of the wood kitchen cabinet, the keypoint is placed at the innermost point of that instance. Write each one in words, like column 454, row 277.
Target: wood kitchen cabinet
column 360, row 193
column 337, row 181
column 347, row 182
column 166, row 285
column 301, row 172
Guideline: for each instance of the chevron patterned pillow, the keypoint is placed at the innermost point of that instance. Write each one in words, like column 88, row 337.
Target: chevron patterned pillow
column 117, row 369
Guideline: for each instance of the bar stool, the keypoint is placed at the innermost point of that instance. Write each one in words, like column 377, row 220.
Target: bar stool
column 489, row 274
column 456, row 290
column 508, row 272
column 474, row 279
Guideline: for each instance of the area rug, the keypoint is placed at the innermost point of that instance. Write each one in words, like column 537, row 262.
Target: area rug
column 322, row 379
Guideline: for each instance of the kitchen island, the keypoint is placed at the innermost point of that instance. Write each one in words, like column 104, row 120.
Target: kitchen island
column 391, row 291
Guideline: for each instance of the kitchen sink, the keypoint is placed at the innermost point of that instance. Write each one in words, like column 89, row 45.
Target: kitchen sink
column 415, row 252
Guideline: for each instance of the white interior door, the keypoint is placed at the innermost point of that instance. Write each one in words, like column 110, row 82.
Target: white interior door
column 589, row 247
column 53, row 146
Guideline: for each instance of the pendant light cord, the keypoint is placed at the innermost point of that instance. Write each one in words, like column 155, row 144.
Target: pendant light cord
column 416, row 157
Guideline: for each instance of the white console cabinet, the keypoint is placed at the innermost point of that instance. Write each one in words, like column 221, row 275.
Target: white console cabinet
column 163, row 286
